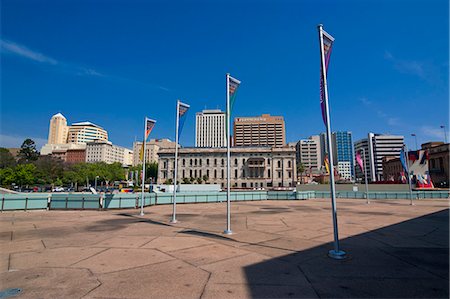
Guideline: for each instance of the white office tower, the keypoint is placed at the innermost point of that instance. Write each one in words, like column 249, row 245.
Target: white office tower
column 210, row 126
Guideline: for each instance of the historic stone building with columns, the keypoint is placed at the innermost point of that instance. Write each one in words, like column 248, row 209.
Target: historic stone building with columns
column 251, row 167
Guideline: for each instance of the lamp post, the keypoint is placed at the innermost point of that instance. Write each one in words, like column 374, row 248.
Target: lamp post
column 95, row 184
column 415, row 139
column 445, row 133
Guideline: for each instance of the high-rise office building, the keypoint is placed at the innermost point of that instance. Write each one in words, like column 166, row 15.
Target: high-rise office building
column 264, row 130
column 377, row 146
column 308, row 153
column 343, row 153
column 57, row 133
column 84, row 132
column 210, row 126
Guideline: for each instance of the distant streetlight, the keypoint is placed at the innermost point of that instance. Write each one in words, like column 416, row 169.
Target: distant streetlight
column 445, row 133
column 415, row 138
column 95, row 186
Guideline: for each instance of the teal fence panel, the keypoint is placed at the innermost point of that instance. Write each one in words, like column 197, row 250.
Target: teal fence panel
column 24, row 201
column 75, row 201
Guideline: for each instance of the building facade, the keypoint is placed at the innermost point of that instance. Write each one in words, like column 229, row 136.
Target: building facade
column 85, row 132
column 57, row 133
column 49, row 149
column 377, row 146
column 76, row 155
column 264, row 130
column 251, row 167
column 210, row 129
column 343, row 153
column 105, row 151
column 308, row 154
column 151, row 150
column 439, row 164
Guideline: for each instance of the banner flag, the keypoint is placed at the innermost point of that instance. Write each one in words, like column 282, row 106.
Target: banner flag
column 149, row 124
column 327, row 44
column 424, row 157
column 233, row 85
column 327, row 163
column 403, row 160
column 359, row 160
column 182, row 112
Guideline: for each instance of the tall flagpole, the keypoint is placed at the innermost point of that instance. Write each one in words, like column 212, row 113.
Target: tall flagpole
column 228, row 230
column 336, row 253
column 174, row 212
column 365, row 175
column 409, row 177
column 143, row 167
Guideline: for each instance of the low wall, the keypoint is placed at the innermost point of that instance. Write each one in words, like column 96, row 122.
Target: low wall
column 361, row 187
column 59, row 201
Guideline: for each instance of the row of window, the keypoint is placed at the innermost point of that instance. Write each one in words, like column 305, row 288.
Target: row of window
column 251, row 174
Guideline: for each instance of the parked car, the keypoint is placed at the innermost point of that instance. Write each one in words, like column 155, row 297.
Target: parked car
column 58, row 189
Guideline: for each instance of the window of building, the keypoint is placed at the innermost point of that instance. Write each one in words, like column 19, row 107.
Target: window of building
column 184, row 162
column 190, row 162
column 215, row 173
column 268, row 162
column 289, row 163
column 289, row 174
column 215, row 162
column 223, row 162
column 184, row 174
column 235, row 162
column 279, row 163
column 235, row 173
column 207, row 173
column 243, row 173
column 243, row 161
column 165, row 164
column 195, row 162
column 223, row 176
column 279, row 174
column 268, row 173
column 190, row 173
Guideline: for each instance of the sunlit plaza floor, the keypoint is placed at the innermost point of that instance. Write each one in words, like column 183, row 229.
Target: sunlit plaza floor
column 278, row 249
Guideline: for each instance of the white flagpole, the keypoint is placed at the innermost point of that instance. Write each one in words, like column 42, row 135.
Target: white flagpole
column 228, row 230
column 174, row 211
column 143, row 168
column 409, row 177
column 336, row 253
column 365, row 175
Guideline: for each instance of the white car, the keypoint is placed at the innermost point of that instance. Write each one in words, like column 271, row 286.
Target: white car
column 58, row 189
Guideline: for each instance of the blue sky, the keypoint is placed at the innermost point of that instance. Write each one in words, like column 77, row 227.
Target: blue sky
column 115, row 62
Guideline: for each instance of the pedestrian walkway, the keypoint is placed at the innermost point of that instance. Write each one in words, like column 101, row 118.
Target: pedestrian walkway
column 278, row 250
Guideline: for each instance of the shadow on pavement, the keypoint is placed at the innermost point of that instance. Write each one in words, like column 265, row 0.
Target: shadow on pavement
column 409, row 259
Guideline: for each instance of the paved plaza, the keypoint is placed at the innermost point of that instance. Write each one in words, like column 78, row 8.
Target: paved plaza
column 278, row 250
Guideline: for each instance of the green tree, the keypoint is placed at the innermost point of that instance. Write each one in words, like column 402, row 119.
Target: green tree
column 28, row 152
column 6, row 158
column 205, row 178
column 199, row 180
column 24, row 174
column 186, row 181
column 301, row 170
column 151, row 170
column 6, row 176
column 49, row 169
column 168, row 182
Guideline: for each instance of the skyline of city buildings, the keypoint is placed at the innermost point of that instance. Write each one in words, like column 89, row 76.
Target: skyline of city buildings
column 210, row 128
column 264, row 130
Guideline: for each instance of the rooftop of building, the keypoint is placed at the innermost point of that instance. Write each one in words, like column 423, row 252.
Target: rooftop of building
column 211, row 111
column 86, row 124
column 58, row 115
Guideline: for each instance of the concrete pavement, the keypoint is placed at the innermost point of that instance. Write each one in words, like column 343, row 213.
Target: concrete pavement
column 278, row 250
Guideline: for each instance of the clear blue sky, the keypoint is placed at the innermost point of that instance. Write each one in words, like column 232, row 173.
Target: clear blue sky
column 114, row 62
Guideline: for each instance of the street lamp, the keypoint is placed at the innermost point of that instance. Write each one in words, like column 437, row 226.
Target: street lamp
column 96, row 182
column 445, row 133
column 415, row 138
